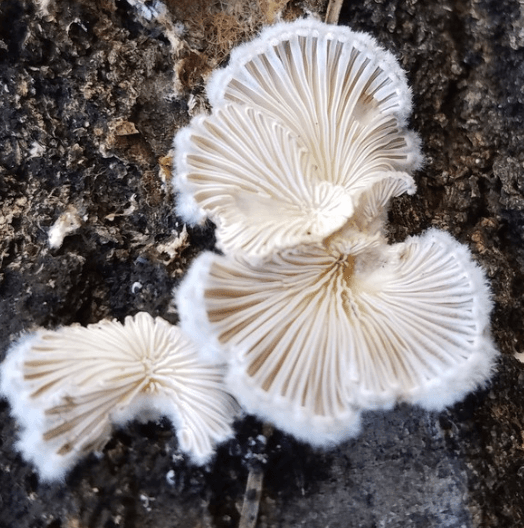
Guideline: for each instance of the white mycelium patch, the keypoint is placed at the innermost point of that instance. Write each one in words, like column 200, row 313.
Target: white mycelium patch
column 68, row 387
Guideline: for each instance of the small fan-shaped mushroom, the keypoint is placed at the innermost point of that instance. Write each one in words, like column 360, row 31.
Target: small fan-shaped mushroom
column 258, row 183
column 312, row 335
column 69, row 386
column 306, row 116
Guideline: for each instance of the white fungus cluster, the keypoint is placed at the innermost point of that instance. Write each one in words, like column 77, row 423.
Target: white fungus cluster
column 315, row 314
column 69, row 387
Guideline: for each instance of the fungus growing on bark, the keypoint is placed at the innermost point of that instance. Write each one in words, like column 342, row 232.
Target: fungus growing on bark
column 305, row 118
column 68, row 387
column 316, row 333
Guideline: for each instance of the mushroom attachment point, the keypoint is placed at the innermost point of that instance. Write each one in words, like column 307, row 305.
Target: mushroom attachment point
column 315, row 334
column 305, row 117
column 69, row 387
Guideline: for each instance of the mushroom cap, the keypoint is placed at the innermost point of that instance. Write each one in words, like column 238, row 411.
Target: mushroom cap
column 307, row 69
column 68, row 387
column 305, row 117
column 258, row 183
column 345, row 96
column 224, row 304
column 433, row 302
column 312, row 336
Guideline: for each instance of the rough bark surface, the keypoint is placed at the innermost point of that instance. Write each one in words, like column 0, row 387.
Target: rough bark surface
column 91, row 94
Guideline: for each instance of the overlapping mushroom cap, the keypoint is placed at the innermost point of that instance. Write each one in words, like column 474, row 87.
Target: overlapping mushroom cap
column 306, row 117
column 314, row 334
column 68, row 387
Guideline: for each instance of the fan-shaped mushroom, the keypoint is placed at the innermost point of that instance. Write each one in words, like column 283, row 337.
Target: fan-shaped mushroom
column 315, row 333
column 305, row 118
column 68, row 387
